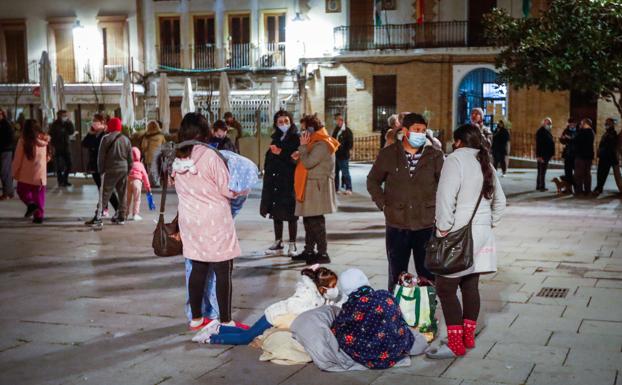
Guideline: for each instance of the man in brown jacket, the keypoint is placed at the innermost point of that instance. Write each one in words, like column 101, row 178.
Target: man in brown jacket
column 403, row 183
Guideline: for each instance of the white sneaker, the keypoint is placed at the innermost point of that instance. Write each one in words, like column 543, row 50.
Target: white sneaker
column 291, row 249
column 138, row 217
column 130, row 218
column 276, row 248
column 204, row 335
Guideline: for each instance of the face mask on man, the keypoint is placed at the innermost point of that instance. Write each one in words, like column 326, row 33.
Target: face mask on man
column 310, row 130
column 332, row 293
column 64, row 119
column 548, row 127
column 283, row 127
column 416, row 139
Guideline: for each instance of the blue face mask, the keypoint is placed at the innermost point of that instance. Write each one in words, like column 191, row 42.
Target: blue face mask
column 283, row 128
column 416, row 139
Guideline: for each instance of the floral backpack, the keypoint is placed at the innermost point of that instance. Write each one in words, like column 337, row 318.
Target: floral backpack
column 371, row 330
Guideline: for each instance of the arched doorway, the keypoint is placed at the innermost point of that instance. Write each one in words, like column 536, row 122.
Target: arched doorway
column 480, row 87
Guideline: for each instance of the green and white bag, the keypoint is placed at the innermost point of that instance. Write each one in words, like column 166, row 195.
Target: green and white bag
column 418, row 305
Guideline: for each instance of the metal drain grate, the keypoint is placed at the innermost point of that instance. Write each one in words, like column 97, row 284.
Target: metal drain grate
column 552, row 292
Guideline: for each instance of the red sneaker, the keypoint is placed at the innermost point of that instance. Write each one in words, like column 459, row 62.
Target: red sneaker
column 206, row 321
column 241, row 325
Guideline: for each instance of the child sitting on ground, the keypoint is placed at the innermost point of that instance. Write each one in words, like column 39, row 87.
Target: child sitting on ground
column 137, row 178
column 317, row 287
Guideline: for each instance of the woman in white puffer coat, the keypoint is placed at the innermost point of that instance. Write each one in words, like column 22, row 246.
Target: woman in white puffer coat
column 316, row 287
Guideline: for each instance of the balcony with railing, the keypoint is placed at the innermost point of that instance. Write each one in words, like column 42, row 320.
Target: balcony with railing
column 237, row 56
column 79, row 70
column 86, row 70
column 443, row 34
column 203, row 56
column 272, row 56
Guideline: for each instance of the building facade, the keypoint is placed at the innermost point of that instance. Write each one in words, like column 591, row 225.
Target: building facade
column 365, row 59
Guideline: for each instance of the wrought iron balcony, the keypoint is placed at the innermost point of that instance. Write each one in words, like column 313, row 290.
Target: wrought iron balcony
column 408, row 36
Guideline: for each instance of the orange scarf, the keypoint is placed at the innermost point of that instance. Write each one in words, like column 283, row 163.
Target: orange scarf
column 300, row 177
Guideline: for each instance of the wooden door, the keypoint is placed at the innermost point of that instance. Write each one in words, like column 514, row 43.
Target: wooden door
column 361, row 24
column 204, row 41
column 170, row 41
column 584, row 105
column 113, row 36
column 240, row 29
column 175, row 108
column 477, row 10
column 240, row 33
column 16, row 62
column 65, row 64
column 384, row 100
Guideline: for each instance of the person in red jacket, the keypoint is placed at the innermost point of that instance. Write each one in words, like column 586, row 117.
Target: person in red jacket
column 137, row 178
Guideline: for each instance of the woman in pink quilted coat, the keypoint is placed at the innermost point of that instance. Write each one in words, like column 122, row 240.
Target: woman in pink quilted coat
column 205, row 222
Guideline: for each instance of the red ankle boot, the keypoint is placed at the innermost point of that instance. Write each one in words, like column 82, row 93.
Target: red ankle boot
column 469, row 333
column 455, row 340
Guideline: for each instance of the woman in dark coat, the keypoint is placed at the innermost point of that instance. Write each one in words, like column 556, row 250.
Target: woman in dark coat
column 500, row 140
column 278, row 199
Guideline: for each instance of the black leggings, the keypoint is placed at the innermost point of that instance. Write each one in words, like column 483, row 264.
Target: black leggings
column 292, row 227
column 446, row 289
column 315, row 234
column 196, row 287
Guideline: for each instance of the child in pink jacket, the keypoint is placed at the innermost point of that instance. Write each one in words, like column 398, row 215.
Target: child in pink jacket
column 137, row 178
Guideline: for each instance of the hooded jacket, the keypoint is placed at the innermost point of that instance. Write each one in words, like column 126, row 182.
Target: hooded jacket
column 152, row 140
column 305, row 298
column 138, row 170
column 115, row 151
column 32, row 171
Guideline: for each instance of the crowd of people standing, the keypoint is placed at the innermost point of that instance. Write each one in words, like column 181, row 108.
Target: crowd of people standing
column 421, row 191
column 578, row 154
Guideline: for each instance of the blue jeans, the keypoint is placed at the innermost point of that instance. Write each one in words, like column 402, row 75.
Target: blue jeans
column 229, row 335
column 210, row 303
column 343, row 165
column 236, row 205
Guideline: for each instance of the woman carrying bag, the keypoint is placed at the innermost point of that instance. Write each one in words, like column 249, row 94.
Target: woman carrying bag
column 467, row 174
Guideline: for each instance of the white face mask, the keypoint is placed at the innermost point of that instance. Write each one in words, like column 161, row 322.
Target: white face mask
column 331, row 293
column 284, row 127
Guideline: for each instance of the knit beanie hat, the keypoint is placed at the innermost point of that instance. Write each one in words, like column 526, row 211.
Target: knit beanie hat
column 351, row 279
column 480, row 110
column 114, row 125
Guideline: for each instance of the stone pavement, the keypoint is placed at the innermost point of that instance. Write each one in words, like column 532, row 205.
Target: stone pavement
column 84, row 307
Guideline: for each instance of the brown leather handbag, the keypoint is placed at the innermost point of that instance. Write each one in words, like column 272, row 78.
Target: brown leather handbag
column 166, row 238
column 452, row 253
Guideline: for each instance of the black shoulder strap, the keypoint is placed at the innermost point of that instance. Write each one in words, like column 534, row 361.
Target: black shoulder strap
column 479, row 200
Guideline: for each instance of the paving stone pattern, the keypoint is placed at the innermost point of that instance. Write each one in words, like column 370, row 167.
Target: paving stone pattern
column 85, row 307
